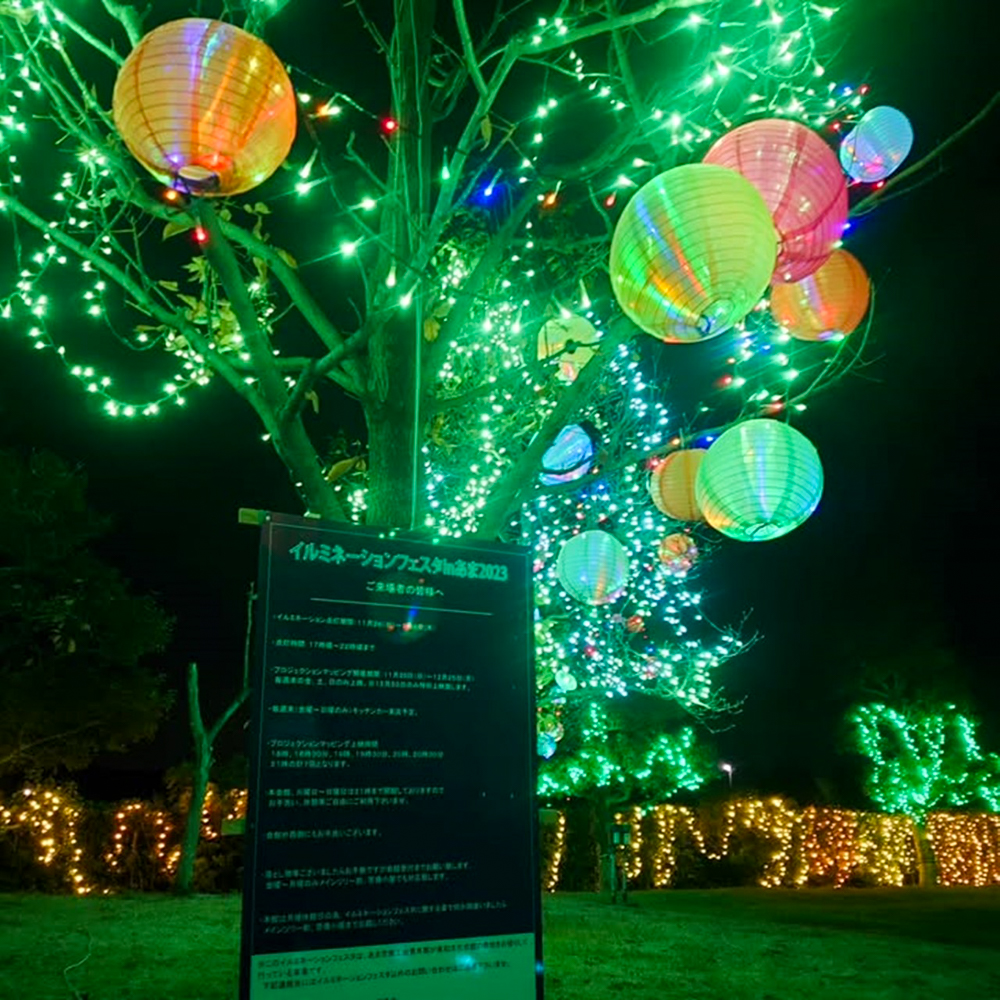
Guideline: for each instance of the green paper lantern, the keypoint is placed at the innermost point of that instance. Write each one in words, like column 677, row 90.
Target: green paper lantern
column 593, row 567
column 760, row 480
column 693, row 252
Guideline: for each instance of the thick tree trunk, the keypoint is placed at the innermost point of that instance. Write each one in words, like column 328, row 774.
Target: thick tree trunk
column 394, row 459
column 926, row 861
column 184, row 879
column 394, row 389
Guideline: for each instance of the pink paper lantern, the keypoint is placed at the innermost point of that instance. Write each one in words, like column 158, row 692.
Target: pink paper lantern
column 801, row 182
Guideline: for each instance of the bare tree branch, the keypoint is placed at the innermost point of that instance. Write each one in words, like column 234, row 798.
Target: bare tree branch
column 866, row 204
column 468, row 49
column 128, row 17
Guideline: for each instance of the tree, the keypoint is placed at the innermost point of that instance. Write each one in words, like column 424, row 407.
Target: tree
column 72, row 634
column 921, row 757
column 442, row 218
column 910, row 724
column 204, row 738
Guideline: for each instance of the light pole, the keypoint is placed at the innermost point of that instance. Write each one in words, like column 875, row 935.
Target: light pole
column 728, row 768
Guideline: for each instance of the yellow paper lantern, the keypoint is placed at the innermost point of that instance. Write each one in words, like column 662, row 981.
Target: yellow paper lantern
column 205, row 106
column 672, row 484
column 692, row 252
column 827, row 305
column 572, row 339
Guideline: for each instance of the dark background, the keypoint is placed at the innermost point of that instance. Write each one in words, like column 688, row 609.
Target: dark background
column 900, row 546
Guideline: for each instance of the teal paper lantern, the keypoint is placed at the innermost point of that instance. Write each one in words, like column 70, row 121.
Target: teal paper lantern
column 760, row 480
column 877, row 145
column 593, row 567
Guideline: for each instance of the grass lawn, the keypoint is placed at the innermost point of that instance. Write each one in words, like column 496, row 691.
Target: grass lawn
column 730, row 944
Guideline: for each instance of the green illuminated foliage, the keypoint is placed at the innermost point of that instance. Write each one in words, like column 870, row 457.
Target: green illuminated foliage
column 923, row 758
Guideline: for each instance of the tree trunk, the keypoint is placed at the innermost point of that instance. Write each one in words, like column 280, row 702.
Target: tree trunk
column 926, row 861
column 394, row 457
column 184, row 879
column 393, row 404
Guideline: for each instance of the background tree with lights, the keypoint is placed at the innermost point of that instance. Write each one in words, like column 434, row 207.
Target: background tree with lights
column 443, row 351
column 919, row 744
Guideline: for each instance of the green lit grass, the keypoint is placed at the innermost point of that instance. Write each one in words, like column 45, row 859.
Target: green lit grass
column 738, row 944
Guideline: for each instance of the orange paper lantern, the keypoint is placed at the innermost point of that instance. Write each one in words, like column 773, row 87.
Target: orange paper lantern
column 205, row 106
column 678, row 553
column 671, row 484
column 829, row 304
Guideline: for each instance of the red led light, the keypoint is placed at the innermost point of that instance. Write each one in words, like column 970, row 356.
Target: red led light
column 200, row 235
column 390, row 125
column 609, row 202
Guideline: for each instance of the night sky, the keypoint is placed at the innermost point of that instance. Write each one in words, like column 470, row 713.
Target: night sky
column 900, row 548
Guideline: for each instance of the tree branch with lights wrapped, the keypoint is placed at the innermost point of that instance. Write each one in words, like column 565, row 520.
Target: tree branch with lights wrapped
column 455, row 290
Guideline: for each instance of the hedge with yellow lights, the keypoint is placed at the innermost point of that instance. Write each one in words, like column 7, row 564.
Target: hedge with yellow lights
column 50, row 839
column 768, row 841
column 772, row 843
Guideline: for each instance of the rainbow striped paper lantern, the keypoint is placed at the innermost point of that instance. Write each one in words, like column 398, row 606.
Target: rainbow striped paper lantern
column 801, row 182
column 205, row 106
column 569, row 457
column 759, row 480
column 593, row 567
column 692, row 253
column 827, row 305
column 877, row 145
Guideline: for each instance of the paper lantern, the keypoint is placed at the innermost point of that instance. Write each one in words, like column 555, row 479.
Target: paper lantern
column 571, row 338
column 828, row 304
column 692, row 252
column 671, row 484
column 569, row 457
column 801, row 182
column 760, row 480
column 205, row 106
column 678, row 552
column 593, row 567
column 877, row 145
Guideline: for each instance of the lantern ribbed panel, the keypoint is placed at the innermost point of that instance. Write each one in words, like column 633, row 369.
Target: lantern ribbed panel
column 671, row 484
column 877, row 145
column 202, row 96
column 568, row 457
column 593, row 567
column 830, row 303
column 801, row 182
column 692, row 253
column 760, row 480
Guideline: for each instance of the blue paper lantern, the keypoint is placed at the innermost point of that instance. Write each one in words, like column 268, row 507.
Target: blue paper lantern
column 593, row 567
column 569, row 457
column 760, row 480
column 877, row 145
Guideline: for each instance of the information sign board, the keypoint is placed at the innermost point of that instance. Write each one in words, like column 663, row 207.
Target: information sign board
column 391, row 824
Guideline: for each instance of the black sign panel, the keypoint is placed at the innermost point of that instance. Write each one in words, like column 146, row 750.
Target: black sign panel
column 391, row 822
